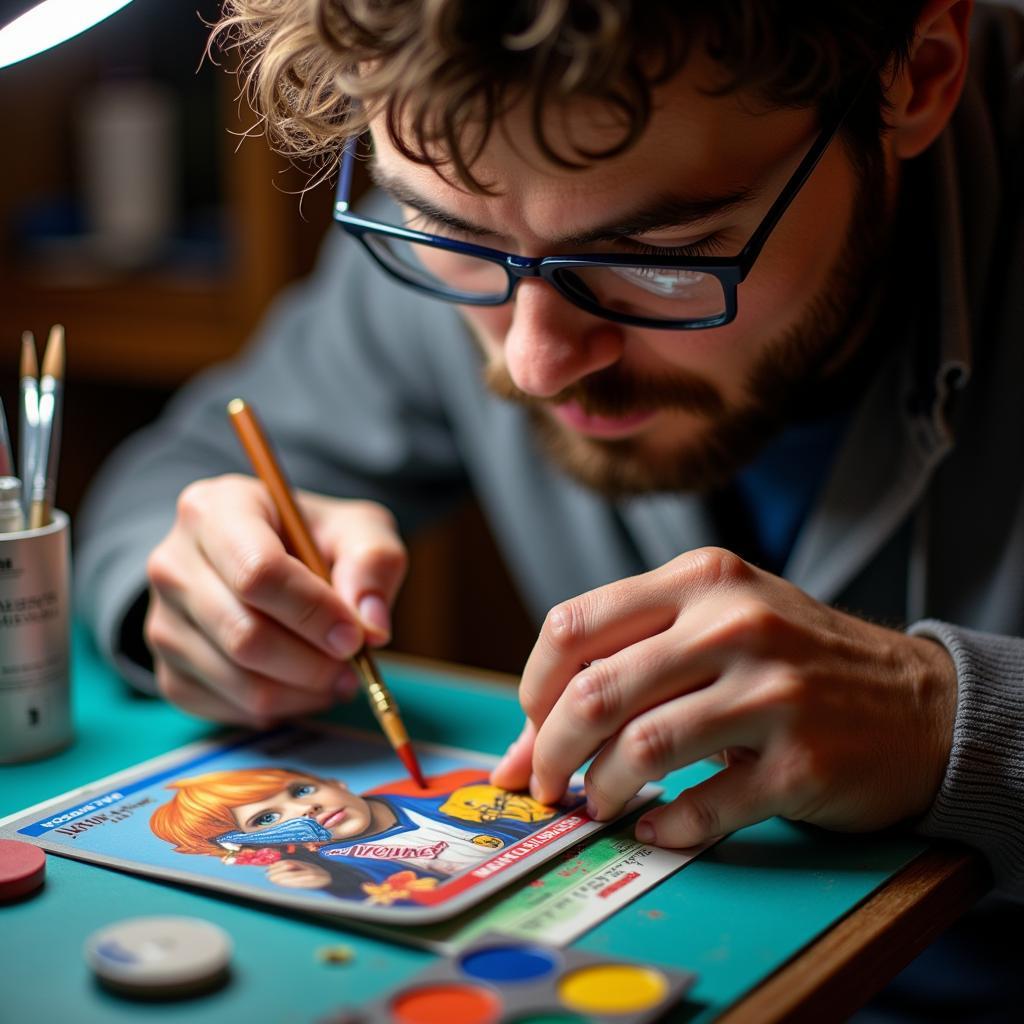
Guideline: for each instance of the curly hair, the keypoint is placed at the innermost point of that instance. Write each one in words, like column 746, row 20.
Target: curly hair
column 443, row 72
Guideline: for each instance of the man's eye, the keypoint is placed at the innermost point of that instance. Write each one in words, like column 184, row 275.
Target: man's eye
column 429, row 226
column 264, row 819
column 417, row 222
column 710, row 246
column 301, row 789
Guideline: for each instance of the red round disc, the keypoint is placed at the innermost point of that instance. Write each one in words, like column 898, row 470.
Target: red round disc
column 22, row 868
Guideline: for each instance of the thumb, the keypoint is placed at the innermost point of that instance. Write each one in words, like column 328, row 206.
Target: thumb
column 731, row 799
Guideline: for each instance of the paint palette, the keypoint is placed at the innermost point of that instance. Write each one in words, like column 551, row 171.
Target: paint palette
column 503, row 980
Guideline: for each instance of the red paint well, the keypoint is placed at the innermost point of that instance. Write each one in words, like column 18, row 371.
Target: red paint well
column 446, row 1004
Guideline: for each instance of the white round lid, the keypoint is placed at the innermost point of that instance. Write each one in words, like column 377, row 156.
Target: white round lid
column 159, row 953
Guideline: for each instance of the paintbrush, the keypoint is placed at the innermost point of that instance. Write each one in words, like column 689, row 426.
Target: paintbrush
column 28, row 424
column 51, row 389
column 266, row 466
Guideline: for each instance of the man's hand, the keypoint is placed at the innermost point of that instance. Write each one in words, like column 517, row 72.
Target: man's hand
column 240, row 630
column 297, row 874
column 824, row 718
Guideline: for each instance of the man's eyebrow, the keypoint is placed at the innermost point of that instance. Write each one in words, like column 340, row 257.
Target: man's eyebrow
column 401, row 193
column 665, row 212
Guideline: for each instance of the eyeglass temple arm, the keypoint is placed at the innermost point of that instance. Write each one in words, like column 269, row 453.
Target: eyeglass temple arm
column 344, row 189
column 753, row 247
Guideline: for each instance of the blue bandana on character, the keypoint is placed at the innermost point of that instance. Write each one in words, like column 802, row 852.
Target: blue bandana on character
column 294, row 830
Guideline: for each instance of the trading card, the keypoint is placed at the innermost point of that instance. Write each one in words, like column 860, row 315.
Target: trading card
column 314, row 816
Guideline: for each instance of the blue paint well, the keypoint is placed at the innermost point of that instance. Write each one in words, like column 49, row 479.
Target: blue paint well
column 508, row 963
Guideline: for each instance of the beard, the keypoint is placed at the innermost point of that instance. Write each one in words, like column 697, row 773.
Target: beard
column 783, row 386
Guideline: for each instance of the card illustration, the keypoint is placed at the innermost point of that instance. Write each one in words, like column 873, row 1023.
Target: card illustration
column 387, row 846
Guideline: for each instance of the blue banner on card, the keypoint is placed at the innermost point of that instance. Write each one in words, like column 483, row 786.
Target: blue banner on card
column 70, row 815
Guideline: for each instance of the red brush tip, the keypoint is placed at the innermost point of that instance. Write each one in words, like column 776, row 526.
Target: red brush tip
column 412, row 766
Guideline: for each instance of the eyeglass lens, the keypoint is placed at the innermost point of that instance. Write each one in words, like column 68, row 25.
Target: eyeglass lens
column 654, row 293
column 439, row 269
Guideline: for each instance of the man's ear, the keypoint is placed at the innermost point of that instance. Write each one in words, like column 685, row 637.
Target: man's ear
column 925, row 92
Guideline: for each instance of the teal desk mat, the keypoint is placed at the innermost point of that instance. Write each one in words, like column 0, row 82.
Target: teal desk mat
column 734, row 916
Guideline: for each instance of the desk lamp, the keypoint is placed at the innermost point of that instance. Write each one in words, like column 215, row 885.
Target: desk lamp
column 49, row 23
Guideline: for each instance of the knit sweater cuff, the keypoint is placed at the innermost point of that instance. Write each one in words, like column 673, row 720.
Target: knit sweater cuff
column 981, row 800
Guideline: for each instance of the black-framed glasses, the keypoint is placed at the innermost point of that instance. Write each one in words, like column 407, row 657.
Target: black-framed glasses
column 668, row 292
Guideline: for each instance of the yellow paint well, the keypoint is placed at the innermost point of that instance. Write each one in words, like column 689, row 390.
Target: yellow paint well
column 612, row 988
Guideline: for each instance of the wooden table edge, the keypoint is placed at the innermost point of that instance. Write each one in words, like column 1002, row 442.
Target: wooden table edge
column 838, row 972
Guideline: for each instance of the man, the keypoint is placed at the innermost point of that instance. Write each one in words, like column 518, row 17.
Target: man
column 755, row 415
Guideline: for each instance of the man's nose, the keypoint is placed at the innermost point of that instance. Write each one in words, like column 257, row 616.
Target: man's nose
column 551, row 343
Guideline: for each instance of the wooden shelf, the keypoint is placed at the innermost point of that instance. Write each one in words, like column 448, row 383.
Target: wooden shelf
column 143, row 332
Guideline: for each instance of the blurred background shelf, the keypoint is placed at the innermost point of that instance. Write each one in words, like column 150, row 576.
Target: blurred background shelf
column 234, row 233
column 162, row 336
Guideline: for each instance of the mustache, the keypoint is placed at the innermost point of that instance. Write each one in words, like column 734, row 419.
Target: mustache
column 611, row 392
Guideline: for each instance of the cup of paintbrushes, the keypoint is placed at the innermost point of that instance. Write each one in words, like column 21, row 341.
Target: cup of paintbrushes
column 35, row 639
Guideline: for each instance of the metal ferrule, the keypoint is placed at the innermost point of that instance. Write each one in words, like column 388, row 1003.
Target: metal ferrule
column 380, row 697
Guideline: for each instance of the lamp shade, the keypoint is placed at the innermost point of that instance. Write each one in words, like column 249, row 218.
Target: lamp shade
column 49, row 23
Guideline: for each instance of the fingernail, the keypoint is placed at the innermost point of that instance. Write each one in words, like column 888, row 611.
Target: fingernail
column 592, row 811
column 503, row 763
column 344, row 640
column 374, row 612
column 346, row 684
column 645, row 832
column 535, row 788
